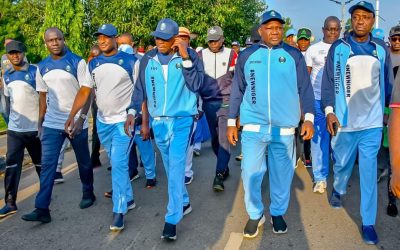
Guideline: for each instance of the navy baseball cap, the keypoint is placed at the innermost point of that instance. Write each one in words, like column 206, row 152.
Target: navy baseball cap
column 15, row 46
column 271, row 15
column 166, row 29
column 107, row 30
column 367, row 6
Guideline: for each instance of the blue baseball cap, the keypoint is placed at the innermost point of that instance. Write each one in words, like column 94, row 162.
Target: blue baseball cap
column 367, row 6
column 271, row 15
column 290, row 32
column 126, row 48
column 107, row 30
column 166, row 29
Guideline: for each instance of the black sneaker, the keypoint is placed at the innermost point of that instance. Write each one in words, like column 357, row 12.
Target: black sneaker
column 59, row 178
column 117, row 223
column 278, row 224
column 41, row 215
column 251, row 228
column 150, row 183
column 225, row 174
column 87, row 201
column 169, row 232
column 391, row 210
column 187, row 209
column 8, row 210
column 218, row 184
column 188, row 180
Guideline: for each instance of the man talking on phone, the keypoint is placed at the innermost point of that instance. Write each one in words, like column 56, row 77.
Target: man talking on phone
column 169, row 78
column 356, row 87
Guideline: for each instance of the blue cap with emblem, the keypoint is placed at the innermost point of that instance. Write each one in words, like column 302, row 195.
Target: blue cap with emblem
column 367, row 6
column 166, row 29
column 107, row 30
column 271, row 15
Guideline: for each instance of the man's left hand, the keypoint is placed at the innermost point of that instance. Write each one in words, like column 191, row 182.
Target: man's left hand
column 307, row 130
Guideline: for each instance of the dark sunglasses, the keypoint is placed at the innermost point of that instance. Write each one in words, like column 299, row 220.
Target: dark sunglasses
column 395, row 39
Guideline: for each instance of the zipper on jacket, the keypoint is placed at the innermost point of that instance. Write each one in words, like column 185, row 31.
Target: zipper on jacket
column 269, row 89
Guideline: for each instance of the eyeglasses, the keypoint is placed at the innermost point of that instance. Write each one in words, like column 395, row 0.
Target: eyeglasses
column 395, row 39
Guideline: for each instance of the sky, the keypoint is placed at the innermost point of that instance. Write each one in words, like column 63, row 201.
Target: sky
column 312, row 13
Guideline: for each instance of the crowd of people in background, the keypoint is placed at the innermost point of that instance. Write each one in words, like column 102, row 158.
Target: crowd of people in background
column 324, row 103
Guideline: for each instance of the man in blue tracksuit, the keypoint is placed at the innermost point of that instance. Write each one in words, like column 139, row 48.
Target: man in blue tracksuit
column 270, row 83
column 169, row 77
column 111, row 75
column 356, row 86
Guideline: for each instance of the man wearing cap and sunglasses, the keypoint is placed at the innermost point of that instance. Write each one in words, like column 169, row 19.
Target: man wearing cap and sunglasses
column 271, row 80
column 58, row 79
column 112, row 76
column 169, row 78
column 356, row 87
column 219, row 63
column 394, row 39
column 20, row 86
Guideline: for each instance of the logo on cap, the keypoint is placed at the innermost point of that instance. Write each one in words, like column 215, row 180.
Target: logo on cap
column 282, row 59
column 213, row 31
column 303, row 32
column 68, row 68
column 120, row 62
column 27, row 77
column 163, row 26
column 103, row 27
column 272, row 13
column 362, row 3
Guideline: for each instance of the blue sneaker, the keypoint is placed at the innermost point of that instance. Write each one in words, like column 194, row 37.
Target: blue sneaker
column 118, row 222
column 335, row 200
column 8, row 210
column 369, row 235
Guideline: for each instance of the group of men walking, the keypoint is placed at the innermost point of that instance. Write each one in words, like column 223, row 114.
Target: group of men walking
column 337, row 88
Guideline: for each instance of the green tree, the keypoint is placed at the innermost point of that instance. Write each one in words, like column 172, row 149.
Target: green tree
column 69, row 17
column 10, row 26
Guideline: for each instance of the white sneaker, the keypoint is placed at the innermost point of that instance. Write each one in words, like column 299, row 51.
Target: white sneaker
column 320, row 187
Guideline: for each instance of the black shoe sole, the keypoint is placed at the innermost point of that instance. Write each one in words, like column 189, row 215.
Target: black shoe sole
column 218, row 188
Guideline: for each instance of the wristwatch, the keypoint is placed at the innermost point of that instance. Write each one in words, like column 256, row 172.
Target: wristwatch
column 83, row 116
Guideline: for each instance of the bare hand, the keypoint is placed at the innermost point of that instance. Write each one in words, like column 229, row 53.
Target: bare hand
column 232, row 134
column 181, row 46
column 69, row 124
column 76, row 128
column 395, row 183
column 40, row 132
column 331, row 119
column 145, row 132
column 307, row 130
column 129, row 125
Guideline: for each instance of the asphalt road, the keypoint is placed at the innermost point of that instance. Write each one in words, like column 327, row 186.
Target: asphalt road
column 216, row 222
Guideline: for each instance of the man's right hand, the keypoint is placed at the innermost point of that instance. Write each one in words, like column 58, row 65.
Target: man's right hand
column 40, row 132
column 232, row 134
column 129, row 125
column 332, row 122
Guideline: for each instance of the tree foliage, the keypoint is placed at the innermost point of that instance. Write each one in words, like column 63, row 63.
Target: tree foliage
column 79, row 19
